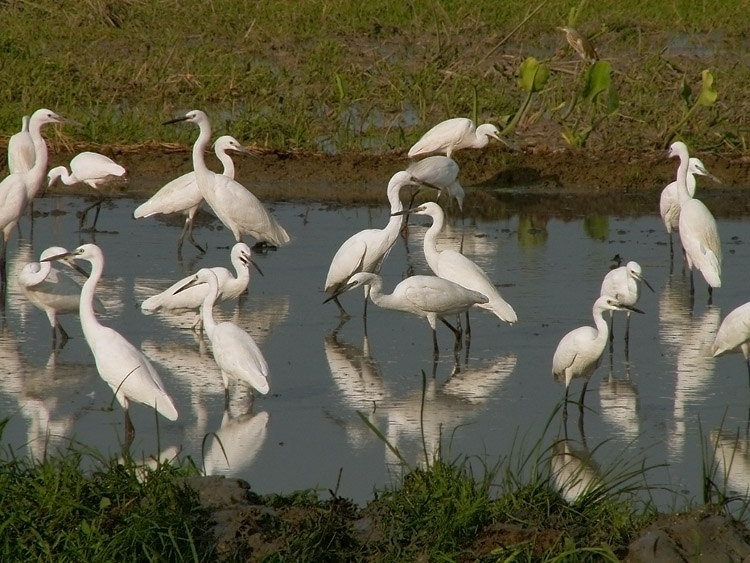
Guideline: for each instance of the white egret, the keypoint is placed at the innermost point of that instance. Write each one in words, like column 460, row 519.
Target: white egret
column 234, row 350
column 622, row 284
column 52, row 290
column 92, row 169
column 120, row 364
column 698, row 232
column 429, row 297
column 366, row 250
column 439, row 172
column 669, row 201
column 452, row 265
column 21, row 153
column 236, row 207
column 579, row 352
column 18, row 189
column 182, row 195
column 734, row 334
column 455, row 134
column 192, row 298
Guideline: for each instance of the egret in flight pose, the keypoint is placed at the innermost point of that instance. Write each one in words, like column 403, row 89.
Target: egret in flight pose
column 366, row 250
column 454, row 134
column 17, row 190
column 120, row 364
column 622, row 284
column 182, row 195
column 439, row 172
column 669, row 201
column 234, row 350
column 429, row 297
column 734, row 334
column 53, row 291
column 452, row 265
column 21, row 149
column 698, row 232
column 239, row 210
column 179, row 299
column 94, row 170
column 579, row 352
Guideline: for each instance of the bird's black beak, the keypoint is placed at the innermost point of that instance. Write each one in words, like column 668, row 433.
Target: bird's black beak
column 339, row 291
column 249, row 261
column 65, row 257
column 176, row 120
column 632, row 309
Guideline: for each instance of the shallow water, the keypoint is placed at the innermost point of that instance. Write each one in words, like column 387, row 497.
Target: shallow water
column 660, row 406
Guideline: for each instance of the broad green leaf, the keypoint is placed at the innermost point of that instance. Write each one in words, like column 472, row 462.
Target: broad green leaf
column 613, row 102
column 532, row 75
column 596, row 80
column 708, row 93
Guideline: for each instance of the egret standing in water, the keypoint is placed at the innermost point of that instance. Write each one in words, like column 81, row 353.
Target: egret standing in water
column 580, row 351
column 234, row 350
column 53, row 291
column 94, row 170
column 452, row 265
column 366, row 250
column 439, row 172
column 429, row 297
column 21, row 153
column 669, row 201
column 17, row 190
column 622, row 284
column 698, row 232
column 182, row 195
column 734, row 334
column 120, row 364
column 179, row 299
column 454, row 134
column 239, row 210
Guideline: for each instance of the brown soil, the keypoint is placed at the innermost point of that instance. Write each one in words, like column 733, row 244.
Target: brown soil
column 536, row 178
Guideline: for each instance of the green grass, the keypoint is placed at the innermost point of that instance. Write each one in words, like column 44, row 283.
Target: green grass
column 355, row 76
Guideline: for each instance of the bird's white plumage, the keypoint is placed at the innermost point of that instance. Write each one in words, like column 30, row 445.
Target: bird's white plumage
column 365, row 251
column 90, row 168
column 235, row 206
column 454, row 266
column 121, row 365
column 669, row 200
column 21, row 153
column 734, row 333
column 454, row 134
column 440, row 172
column 622, row 283
column 234, row 350
column 192, row 298
column 697, row 226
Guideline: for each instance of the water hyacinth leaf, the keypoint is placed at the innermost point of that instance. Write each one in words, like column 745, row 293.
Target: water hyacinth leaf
column 708, row 93
column 598, row 79
column 533, row 75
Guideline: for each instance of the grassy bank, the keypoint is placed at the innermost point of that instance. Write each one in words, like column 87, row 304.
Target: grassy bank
column 372, row 76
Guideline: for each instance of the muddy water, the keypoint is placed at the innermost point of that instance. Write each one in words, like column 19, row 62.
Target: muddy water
column 658, row 404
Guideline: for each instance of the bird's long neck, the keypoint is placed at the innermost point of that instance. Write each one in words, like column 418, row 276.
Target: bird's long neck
column 602, row 328
column 41, row 274
column 376, row 293
column 226, row 162
column 202, row 173
column 61, row 173
column 35, row 176
column 243, row 271
column 88, row 295
column 207, row 308
column 396, row 221
column 431, row 252
column 682, row 173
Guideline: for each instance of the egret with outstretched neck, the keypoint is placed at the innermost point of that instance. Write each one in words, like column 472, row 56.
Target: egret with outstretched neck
column 234, row 350
column 699, row 234
column 182, row 195
column 429, row 297
column 366, row 250
column 177, row 299
column 454, row 266
column 240, row 211
column 454, row 134
column 580, row 351
column 121, row 365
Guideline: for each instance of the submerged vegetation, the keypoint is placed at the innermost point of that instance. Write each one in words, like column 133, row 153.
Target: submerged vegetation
column 372, row 76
